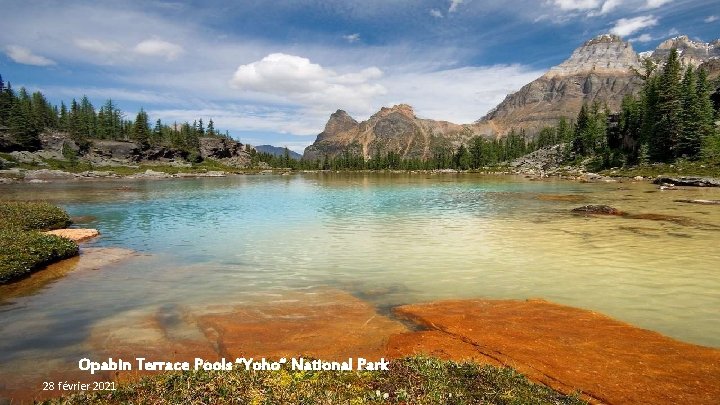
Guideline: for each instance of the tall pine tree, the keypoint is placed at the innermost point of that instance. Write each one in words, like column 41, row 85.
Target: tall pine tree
column 141, row 129
column 690, row 138
column 668, row 123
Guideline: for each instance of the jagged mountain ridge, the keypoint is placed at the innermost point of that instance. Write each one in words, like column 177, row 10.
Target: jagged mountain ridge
column 691, row 52
column 390, row 129
column 604, row 68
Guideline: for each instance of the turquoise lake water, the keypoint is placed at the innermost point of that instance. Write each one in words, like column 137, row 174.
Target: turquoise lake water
column 387, row 238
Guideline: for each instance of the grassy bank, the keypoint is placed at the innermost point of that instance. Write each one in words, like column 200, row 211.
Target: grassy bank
column 22, row 248
column 415, row 380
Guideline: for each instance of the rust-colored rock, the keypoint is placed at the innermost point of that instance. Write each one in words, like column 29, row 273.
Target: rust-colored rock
column 573, row 349
column 330, row 325
column 327, row 324
column 74, row 234
column 437, row 344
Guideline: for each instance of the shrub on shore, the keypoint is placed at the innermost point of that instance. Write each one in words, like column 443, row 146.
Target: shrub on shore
column 414, row 380
column 22, row 252
column 22, row 248
column 26, row 216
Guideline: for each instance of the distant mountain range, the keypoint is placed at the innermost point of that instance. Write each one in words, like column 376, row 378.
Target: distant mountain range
column 605, row 68
column 277, row 151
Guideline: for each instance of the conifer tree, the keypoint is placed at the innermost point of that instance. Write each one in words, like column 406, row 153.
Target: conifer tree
column 6, row 101
column 211, row 128
column 63, row 117
column 690, row 138
column 141, row 129
column 582, row 124
column 706, row 112
column 157, row 133
column 21, row 122
column 668, row 123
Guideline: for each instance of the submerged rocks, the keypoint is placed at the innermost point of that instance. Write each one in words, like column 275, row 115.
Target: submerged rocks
column 566, row 348
column 597, row 210
column 612, row 211
column 688, row 181
column 324, row 324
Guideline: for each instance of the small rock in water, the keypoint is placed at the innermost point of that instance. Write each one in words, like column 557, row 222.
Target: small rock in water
column 703, row 202
column 597, row 210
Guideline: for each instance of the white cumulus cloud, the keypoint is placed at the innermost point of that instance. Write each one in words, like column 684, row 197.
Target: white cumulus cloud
column 158, row 47
column 711, row 18
column 436, row 13
column 299, row 81
column 25, row 56
column 628, row 26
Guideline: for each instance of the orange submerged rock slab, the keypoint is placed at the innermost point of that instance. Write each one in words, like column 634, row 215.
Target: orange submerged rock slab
column 329, row 325
column 325, row 324
column 569, row 349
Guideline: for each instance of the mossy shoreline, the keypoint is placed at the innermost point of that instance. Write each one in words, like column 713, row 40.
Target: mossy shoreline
column 412, row 380
column 23, row 248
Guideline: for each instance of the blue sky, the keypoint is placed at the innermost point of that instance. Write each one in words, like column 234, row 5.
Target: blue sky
column 273, row 71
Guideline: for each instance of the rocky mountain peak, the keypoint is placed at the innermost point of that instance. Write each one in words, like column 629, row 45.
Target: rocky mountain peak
column 691, row 52
column 603, row 54
column 340, row 121
column 681, row 41
column 403, row 109
column 603, row 39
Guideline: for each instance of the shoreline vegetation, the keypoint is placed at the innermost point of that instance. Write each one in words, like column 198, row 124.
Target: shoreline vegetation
column 414, row 380
column 23, row 248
